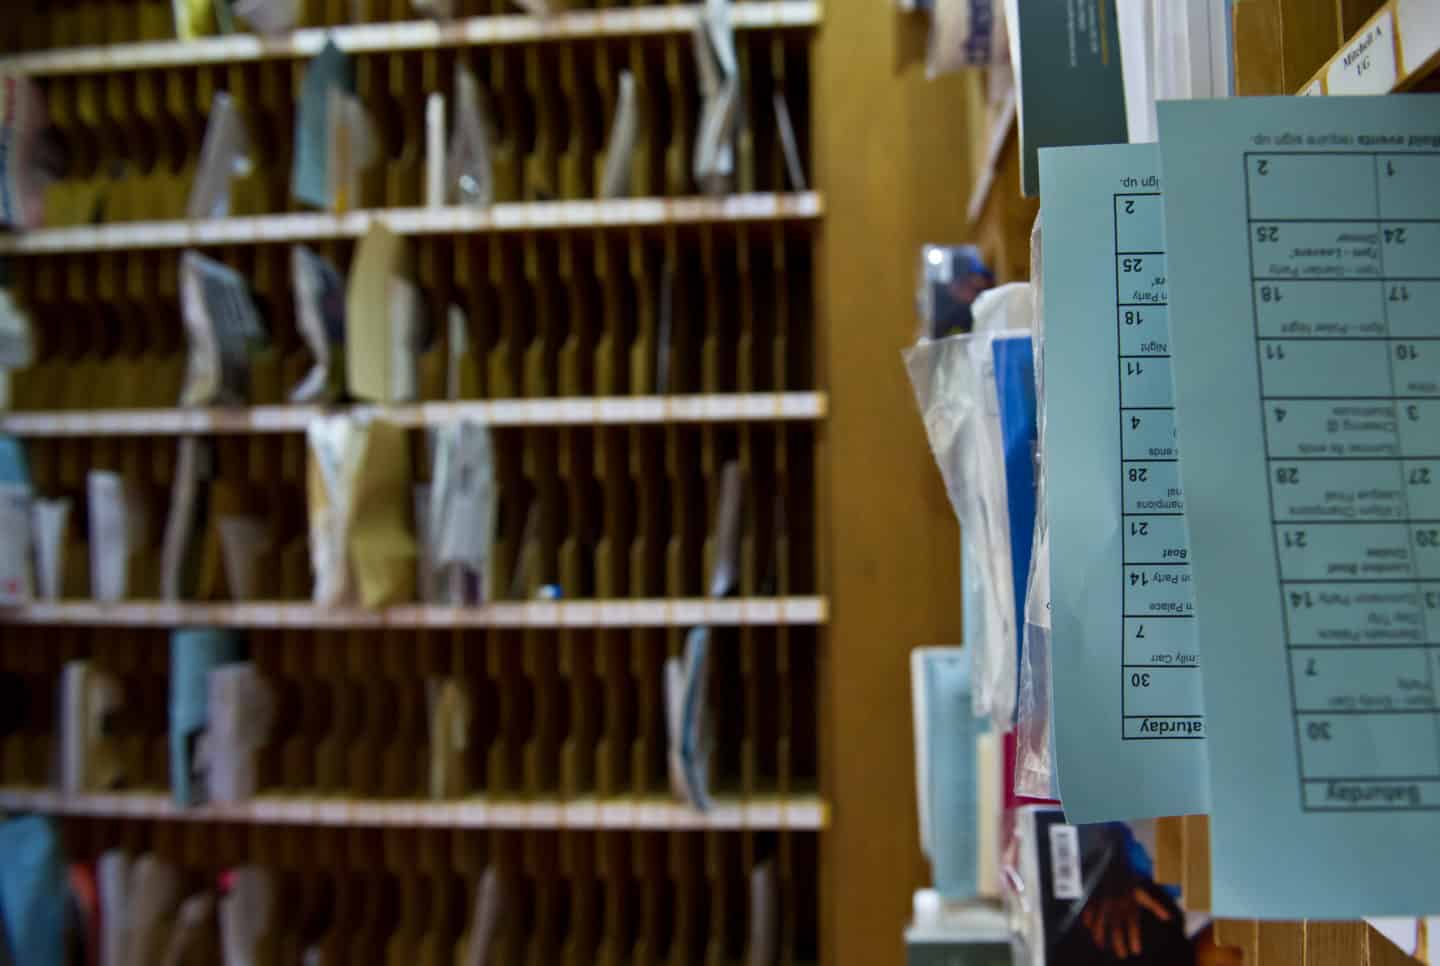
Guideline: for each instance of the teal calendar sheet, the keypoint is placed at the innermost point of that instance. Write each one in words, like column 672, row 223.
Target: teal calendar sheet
column 1129, row 719
column 1303, row 239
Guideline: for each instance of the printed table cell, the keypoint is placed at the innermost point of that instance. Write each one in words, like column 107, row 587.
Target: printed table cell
column 1314, row 250
column 1422, row 488
column 1332, row 369
column 1145, row 383
column 1324, row 490
column 1368, row 746
column 1144, row 330
column 1419, row 424
column 1413, row 309
column 1161, row 642
column 1158, row 591
column 1163, row 691
column 1165, row 726
column 1335, row 551
column 1315, row 428
column 1310, row 186
column 1140, row 279
column 1409, row 249
column 1348, row 796
column 1320, row 310
column 1155, row 540
column 1148, row 435
column 1139, row 223
column 1409, row 185
column 1362, row 680
column 1152, row 488
column 1334, row 615
column 1415, row 367
column 1425, row 545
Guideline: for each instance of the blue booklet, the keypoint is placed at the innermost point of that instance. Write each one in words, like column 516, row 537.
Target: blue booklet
column 1014, row 359
column 194, row 653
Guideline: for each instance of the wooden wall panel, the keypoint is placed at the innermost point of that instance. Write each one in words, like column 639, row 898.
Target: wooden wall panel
column 892, row 160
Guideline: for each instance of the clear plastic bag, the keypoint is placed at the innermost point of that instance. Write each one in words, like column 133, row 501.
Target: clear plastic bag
column 469, row 171
column 954, row 384
column 963, row 33
column 225, row 155
column 439, row 9
column 1034, row 739
column 620, row 148
column 222, row 329
column 714, row 156
column 689, row 721
column 320, row 313
column 29, row 159
column 269, row 17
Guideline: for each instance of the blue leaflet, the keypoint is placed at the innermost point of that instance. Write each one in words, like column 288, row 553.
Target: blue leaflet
column 194, row 652
column 1014, row 359
column 14, row 468
column 33, row 891
column 950, row 729
column 309, row 176
column 693, row 747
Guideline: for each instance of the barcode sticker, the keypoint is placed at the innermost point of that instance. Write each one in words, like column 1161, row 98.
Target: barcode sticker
column 1065, row 861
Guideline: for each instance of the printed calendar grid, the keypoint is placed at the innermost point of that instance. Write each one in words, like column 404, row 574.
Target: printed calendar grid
column 1357, row 592
column 1177, row 718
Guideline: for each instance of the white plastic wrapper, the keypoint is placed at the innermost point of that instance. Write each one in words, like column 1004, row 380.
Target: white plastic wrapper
column 242, row 711
column 117, row 523
column 463, row 503
column 320, row 312
column 15, row 523
column 954, row 386
column 26, row 165
column 269, row 17
column 332, row 445
column 469, row 167
column 247, row 914
column 714, row 41
column 620, row 149
column 484, row 919
column 17, row 339
column 963, row 33
column 224, row 156
column 50, row 522
column 222, row 327
column 353, row 147
column 686, row 682
column 1034, row 738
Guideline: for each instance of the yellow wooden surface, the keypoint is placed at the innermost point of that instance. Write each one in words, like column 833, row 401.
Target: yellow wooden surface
column 1239, row 934
column 1002, row 229
column 1169, row 851
column 1334, row 943
column 1256, row 29
column 1280, row 942
column 1196, row 881
column 1310, row 30
column 892, row 159
column 1380, row 951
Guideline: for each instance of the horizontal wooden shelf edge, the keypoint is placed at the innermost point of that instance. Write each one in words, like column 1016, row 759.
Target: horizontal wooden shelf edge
column 409, row 35
column 653, row 612
column 509, row 216
column 777, row 812
column 572, row 411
